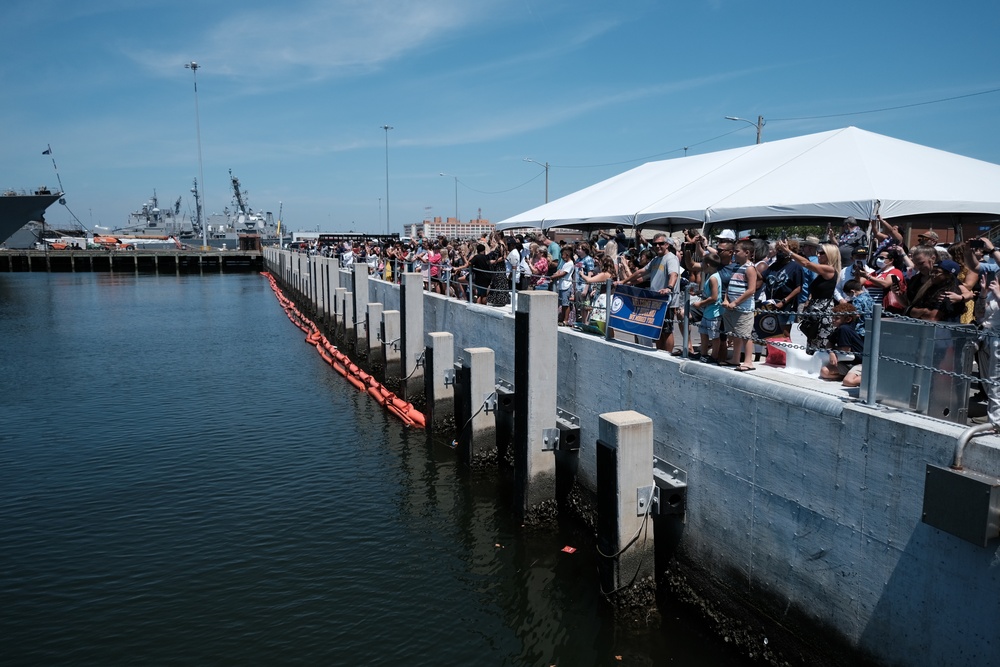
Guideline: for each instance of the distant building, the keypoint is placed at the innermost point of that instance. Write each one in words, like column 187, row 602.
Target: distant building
column 450, row 228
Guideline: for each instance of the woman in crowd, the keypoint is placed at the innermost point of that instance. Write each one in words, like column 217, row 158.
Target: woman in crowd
column 969, row 279
column 608, row 271
column 539, row 267
column 889, row 269
column 817, row 320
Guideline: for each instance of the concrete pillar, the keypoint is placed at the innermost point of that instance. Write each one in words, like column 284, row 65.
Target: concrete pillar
column 338, row 311
column 373, row 325
column 349, row 318
column 300, row 284
column 390, row 345
column 534, row 399
column 439, row 357
column 333, row 282
column 411, row 309
column 477, row 429
column 624, row 465
column 361, row 299
column 321, row 288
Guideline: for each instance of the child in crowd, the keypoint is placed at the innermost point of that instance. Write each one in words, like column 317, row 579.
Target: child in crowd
column 564, row 283
column 858, row 296
column 711, row 309
column 739, row 303
column 846, row 348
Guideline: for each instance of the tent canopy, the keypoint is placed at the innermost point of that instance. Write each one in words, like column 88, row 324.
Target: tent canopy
column 826, row 175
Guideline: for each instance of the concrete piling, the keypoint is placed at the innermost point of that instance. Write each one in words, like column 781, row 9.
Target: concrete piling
column 534, row 399
column 360, row 304
column 411, row 308
column 476, row 426
column 624, row 494
column 373, row 327
column 338, row 310
column 321, row 289
column 439, row 362
column 390, row 345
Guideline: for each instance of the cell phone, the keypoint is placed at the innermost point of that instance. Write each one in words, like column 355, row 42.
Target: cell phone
column 977, row 244
column 895, row 281
column 859, row 266
column 784, row 234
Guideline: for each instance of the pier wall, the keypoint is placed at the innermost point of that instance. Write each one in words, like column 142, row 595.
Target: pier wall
column 801, row 504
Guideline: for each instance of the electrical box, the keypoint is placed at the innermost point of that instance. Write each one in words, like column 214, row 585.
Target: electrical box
column 964, row 503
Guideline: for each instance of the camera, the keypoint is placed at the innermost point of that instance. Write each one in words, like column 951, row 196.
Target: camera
column 977, row 244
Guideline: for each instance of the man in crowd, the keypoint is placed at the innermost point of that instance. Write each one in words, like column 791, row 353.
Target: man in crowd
column 664, row 271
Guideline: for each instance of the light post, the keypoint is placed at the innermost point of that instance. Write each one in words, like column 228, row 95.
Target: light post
column 193, row 66
column 379, row 211
column 546, row 167
column 759, row 124
column 387, row 128
column 456, row 193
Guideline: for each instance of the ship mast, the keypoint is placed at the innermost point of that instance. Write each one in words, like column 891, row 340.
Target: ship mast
column 197, row 205
column 240, row 205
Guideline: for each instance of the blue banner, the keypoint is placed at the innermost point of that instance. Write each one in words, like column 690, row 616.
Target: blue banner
column 638, row 311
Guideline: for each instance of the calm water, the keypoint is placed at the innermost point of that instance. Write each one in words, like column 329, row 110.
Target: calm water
column 183, row 480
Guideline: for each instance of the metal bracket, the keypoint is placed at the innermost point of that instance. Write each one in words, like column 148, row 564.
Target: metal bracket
column 550, row 439
column 569, row 430
column 671, row 484
column 647, row 500
column 505, row 396
column 490, row 402
column 449, row 377
column 420, row 361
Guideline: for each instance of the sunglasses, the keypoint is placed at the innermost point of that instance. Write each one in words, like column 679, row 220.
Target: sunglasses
column 659, row 243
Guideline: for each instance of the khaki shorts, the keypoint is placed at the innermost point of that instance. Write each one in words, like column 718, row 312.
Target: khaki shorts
column 738, row 323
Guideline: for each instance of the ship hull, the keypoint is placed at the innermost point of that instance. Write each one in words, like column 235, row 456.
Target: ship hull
column 17, row 210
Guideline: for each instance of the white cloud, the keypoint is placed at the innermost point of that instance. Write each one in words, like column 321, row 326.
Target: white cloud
column 317, row 39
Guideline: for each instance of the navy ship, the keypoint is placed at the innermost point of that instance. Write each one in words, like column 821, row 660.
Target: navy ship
column 20, row 208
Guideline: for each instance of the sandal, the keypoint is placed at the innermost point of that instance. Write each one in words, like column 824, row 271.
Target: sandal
column 742, row 368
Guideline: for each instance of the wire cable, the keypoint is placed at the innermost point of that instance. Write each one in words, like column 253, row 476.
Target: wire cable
column 901, row 106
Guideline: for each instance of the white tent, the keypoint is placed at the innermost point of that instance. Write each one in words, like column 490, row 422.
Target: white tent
column 826, row 175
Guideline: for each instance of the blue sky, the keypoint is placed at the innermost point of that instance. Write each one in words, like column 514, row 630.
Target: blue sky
column 293, row 95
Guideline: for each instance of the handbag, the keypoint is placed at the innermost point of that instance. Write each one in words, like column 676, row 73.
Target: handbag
column 892, row 303
column 810, row 326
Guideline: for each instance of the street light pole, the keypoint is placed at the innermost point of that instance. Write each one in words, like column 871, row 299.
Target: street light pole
column 387, row 128
column 193, row 66
column 546, row 166
column 456, row 193
column 759, row 124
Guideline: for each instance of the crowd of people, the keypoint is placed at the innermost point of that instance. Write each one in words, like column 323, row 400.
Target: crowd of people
column 828, row 286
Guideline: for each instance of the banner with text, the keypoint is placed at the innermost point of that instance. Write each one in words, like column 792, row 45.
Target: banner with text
column 638, row 311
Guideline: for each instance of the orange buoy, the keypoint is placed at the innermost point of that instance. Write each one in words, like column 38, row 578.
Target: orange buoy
column 341, row 363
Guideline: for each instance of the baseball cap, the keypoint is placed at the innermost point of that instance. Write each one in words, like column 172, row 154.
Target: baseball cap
column 726, row 234
column 951, row 267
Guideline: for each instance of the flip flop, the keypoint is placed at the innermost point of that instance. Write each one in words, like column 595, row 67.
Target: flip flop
column 744, row 369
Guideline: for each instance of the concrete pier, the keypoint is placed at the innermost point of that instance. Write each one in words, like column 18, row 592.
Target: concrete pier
column 534, row 399
column 624, row 489
column 803, row 507
column 439, row 357
column 160, row 262
column 411, row 308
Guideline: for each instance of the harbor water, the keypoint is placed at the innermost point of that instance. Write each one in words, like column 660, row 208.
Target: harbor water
column 184, row 480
